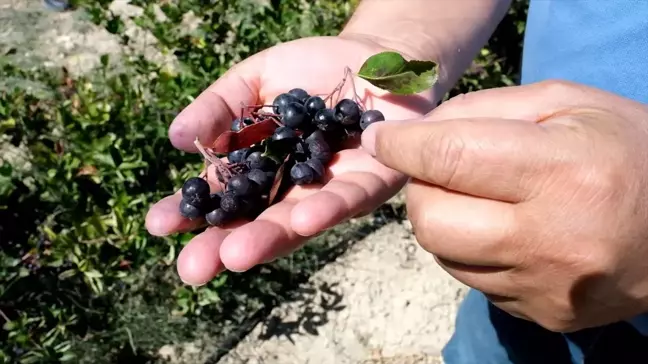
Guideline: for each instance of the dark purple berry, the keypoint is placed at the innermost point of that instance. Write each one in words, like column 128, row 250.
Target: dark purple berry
column 299, row 148
column 301, row 174
column 195, row 186
column 300, row 94
column 323, row 156
column 325, row 120
column 318, row 168
column 281, row 101
column 238, row 124
column 317, row 135
column 257, row 160
column 284, row 133
column 240, row 185
column 214, row 200
column 318, row 146
column 271, row 176
column 259, row 177
column 294, row 115
column 217, row 217
column 314, row 104
column 189, row 211
column 369, row 117
column 320, row 150
column 347, row 112
column 252, row 207
column 238, row 156
column 195, row 191
column 230, row 203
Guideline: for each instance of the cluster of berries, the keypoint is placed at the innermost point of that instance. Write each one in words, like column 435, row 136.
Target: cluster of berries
column 269, row 152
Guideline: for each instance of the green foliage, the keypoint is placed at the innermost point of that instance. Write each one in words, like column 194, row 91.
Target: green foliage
column 391, row 72
column 82, row 159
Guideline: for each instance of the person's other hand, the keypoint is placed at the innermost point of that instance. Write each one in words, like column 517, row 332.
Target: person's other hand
column 355, row 184
column 535, row 195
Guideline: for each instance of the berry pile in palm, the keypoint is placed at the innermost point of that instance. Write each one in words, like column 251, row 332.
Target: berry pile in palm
column 268, row 152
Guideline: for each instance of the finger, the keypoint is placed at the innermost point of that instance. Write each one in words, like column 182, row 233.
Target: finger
column 492, row 281
column 163, row 218
column 262, row 240
column 356, row 185
column 492, row 158
column 463, row 229
column 511, row 306
column 200, row 261
column 212, row 112
column 534, row 102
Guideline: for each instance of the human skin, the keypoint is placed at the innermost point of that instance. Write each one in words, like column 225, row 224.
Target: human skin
column 536, row 195
column 355, row 183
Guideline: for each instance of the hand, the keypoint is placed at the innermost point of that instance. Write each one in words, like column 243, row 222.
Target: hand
column 355, row 184
column 535, row 195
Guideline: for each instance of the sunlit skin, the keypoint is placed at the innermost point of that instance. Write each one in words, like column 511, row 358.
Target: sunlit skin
column 355, row 183
column 535, row 195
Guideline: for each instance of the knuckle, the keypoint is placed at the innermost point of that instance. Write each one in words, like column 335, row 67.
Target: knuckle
column 448, row 152
column 596, row 262
column 558, row 325
column 605, row 178
column 599, row 182
column 448, row 108
column 422, row 224
column 561, row 318
column 555, row 87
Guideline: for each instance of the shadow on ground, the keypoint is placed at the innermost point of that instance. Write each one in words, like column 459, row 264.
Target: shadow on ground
column 314, row 312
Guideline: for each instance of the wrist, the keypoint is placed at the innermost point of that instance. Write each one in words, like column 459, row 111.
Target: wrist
column 448, row 33
column 376, row 23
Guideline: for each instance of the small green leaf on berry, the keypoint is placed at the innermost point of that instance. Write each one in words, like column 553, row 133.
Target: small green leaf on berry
column 390, row 71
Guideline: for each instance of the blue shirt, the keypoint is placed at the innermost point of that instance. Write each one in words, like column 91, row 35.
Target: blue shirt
column 599, row 43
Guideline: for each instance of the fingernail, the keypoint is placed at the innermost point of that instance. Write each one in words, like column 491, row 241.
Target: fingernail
column 192, row 284
column 181, row 135
column 368, row 140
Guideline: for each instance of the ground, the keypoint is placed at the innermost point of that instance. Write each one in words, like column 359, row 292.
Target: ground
column 385, row 301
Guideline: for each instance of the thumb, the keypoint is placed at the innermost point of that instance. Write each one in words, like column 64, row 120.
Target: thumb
column 490, row 158
column 212, row 112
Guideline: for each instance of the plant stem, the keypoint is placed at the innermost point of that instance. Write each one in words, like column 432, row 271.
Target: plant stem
column 337, row 89
column 357, row 98
column 5, row 317
column 218, row 164
column 348, row 74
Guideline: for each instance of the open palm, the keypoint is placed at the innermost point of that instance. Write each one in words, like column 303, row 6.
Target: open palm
column 355, row 182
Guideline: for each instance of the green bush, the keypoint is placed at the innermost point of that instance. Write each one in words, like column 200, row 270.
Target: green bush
column 82, row 159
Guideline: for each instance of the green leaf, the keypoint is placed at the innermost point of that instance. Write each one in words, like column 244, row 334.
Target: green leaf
column 390, row 71
column 7, row 125
column 93, row 274
column 105, row 58
column 67, row 357
column 67, row 274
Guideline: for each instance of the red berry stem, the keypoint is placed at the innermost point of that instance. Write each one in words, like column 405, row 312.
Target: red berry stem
column 348, row 74
column 221, row 168
column 356, row 97
column 338, row 90
column 274, row 117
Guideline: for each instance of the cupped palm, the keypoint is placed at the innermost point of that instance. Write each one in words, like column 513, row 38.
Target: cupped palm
column 355, row 182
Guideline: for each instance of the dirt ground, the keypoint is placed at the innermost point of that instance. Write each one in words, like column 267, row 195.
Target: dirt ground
column 385, row 301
